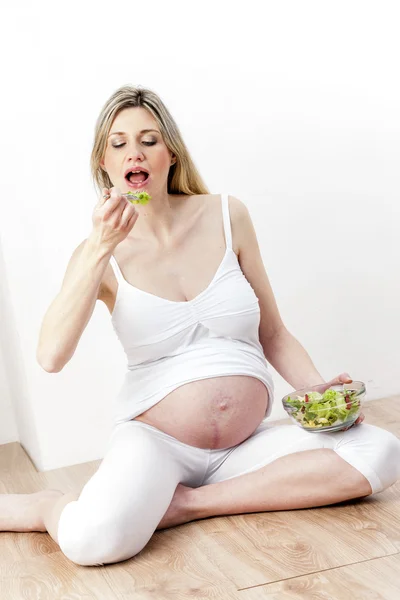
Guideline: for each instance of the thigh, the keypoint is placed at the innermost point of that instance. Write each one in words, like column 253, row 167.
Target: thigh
column 121, row 505
column 373, row 451
column 137, row 472
column 268, row 443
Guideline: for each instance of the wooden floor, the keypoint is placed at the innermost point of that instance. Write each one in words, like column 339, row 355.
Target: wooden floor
column 343, row 552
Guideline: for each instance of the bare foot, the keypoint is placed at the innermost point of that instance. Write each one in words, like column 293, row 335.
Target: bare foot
column 25, row 512
column 179, row 510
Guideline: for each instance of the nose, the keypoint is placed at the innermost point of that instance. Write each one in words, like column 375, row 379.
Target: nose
column 136, row 152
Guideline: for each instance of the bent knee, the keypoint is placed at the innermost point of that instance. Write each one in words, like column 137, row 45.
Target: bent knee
column 89, row 541
column 379, row 451
column 387, row 458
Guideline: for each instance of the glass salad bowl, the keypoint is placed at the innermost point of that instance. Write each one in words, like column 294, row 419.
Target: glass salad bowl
column 326, row 407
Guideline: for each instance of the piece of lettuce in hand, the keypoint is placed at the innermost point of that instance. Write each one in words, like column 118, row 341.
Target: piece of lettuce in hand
column 138, row 197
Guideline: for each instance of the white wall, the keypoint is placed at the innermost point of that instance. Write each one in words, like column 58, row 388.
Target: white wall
column 295, row 111
column 17, row 408
column 8, row 425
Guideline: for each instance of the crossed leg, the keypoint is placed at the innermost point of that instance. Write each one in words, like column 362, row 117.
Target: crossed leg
column 283, row 468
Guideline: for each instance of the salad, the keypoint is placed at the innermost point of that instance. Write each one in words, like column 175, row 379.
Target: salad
column 137, row 197
column 325, row 410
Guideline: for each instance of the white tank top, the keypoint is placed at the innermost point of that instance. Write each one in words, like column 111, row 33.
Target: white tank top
column 170, row 343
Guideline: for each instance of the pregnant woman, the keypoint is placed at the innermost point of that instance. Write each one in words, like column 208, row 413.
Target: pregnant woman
column 190, row 301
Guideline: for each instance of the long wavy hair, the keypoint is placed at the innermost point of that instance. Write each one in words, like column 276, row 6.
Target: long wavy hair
column 183, row 176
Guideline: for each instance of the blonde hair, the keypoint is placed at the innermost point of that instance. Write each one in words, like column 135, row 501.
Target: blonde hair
column 183, row 176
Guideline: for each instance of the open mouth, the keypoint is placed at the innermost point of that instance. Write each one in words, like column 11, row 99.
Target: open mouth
column 137, row 177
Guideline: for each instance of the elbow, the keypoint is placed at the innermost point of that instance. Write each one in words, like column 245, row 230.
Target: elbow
column 271, row 334
column 49, row 364
column 51, row 368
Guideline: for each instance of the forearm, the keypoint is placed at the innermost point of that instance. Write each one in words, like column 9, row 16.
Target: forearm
column 69, row 313
column 288, row 357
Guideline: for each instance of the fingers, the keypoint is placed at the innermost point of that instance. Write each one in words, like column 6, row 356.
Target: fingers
column 347, row 428
column 129, row 215
column 324, row 386
column 104, row 196
column 359, row 420
column 114, row 205
column 132, row 220
column 342, row 378
column 107, row 194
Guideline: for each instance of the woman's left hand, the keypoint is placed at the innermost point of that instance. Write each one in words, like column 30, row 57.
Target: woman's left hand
column 345, row 378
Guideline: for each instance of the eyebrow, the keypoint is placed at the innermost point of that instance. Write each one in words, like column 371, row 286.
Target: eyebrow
column 123, row 132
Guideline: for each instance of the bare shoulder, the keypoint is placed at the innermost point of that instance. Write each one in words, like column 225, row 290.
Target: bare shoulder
column 207, row 199
column 241, row 223
column 238, row 213
column 237, row 209
column 236, row 206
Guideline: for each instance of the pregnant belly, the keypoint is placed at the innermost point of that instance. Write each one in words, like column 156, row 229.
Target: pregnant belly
column 219, row 412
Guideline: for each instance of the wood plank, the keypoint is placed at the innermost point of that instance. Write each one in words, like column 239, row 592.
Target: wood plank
column 378, row 579
column 172, row 567
column 159, row 572
column 52, row 577
column 283, row 552
column 18, row 475
column 17, row 472
column 72, row 478
column 264, row 547
column 15, row 547
column 385, row 413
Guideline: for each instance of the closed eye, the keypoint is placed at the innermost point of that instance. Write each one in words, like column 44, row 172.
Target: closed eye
column 145, row 143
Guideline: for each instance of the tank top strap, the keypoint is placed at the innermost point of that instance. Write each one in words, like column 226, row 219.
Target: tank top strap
column 227, row 221
column 116, row 269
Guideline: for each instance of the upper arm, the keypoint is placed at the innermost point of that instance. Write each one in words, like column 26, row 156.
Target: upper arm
column 252, row 265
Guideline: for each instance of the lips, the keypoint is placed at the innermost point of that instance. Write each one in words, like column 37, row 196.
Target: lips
column 137, row 186
column 135, row 168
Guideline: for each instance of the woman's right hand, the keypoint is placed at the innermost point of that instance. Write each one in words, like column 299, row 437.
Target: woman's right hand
column 113, row 218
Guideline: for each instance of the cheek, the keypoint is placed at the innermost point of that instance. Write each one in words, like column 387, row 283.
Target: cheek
column 163, row 160
column 109, row 160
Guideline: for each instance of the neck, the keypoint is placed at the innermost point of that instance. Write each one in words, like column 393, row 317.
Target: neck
column 157, row 218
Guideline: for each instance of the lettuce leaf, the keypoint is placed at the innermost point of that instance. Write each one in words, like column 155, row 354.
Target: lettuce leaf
column 138, row 197
column 324, row 410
